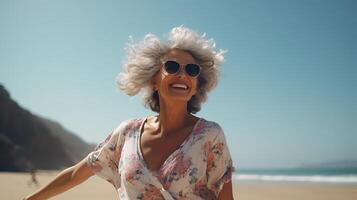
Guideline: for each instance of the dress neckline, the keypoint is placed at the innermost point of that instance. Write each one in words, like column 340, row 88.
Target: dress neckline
column 185, row 141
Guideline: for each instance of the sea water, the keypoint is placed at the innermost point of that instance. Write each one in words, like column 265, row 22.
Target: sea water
column 337, row 176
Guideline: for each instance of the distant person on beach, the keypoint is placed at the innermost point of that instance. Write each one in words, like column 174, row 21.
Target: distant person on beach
column 33, row 180
column 175, row 154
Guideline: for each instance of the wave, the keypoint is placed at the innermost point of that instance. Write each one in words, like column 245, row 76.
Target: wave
column 350, row 179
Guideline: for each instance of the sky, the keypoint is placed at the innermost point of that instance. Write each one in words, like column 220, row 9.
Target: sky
column 287, row 91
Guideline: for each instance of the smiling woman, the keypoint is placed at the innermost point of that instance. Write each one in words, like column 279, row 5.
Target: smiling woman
column 143, row 58
column 175, row 154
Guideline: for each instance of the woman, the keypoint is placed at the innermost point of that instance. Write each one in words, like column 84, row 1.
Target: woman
column 174, row 155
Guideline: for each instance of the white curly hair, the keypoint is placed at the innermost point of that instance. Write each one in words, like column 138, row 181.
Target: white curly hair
column 143, row 62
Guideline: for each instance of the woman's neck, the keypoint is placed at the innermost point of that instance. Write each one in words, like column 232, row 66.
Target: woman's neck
column 172, row 117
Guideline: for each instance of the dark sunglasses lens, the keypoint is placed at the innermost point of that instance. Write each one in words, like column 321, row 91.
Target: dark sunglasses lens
column 192, row 69
column 172, row 67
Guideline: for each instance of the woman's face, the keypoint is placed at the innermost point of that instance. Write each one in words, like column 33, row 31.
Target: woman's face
column 171, row 86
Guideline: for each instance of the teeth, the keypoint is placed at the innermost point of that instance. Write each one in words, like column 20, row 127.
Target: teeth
column 177, row 85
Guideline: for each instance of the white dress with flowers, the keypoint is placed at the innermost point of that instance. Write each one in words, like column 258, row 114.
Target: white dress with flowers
column 196, row 170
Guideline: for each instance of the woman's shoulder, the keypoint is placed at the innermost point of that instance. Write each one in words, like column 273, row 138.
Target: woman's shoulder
column 132, row 122
column 209, row 128
column 127, row 126
column 212, row 125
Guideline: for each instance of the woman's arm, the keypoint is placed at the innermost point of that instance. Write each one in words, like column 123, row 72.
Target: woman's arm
column 226, row 192
column 64, row 181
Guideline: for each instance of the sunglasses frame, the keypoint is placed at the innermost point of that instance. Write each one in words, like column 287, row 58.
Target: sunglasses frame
column 180, row 65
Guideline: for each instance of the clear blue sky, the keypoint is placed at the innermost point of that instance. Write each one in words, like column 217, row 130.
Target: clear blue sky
column 287, row 93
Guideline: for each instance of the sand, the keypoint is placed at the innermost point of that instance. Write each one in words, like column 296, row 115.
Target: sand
column 17, row 185
column 288, row 191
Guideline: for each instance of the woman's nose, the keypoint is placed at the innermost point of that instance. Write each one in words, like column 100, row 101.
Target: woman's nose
column 181, row 73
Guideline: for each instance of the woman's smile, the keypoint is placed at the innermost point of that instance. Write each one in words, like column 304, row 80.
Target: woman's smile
column 179, row 85
column 179, row 88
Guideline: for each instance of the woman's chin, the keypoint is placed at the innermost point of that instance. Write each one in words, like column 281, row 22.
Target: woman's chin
column 178, row 97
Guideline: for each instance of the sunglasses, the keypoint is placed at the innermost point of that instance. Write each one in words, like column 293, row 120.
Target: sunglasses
column 172, row 67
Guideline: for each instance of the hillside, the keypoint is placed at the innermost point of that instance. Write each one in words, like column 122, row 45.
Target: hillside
column 28, row 141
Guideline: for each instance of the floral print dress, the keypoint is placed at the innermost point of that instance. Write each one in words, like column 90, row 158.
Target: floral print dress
column 196, row 170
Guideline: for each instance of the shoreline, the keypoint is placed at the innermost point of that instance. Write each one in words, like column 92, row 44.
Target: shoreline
column 292, row 183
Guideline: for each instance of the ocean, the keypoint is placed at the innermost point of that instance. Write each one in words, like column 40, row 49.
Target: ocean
column 335, row 176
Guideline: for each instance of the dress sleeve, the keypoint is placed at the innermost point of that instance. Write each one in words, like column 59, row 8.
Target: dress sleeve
column 105, row 158
column 219, row 163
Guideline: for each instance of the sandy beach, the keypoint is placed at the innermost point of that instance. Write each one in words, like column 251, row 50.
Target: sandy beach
column 17, row 185
column 294, row 191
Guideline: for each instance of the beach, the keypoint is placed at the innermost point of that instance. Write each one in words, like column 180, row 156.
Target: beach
column 289, row 191
column 18, row 185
